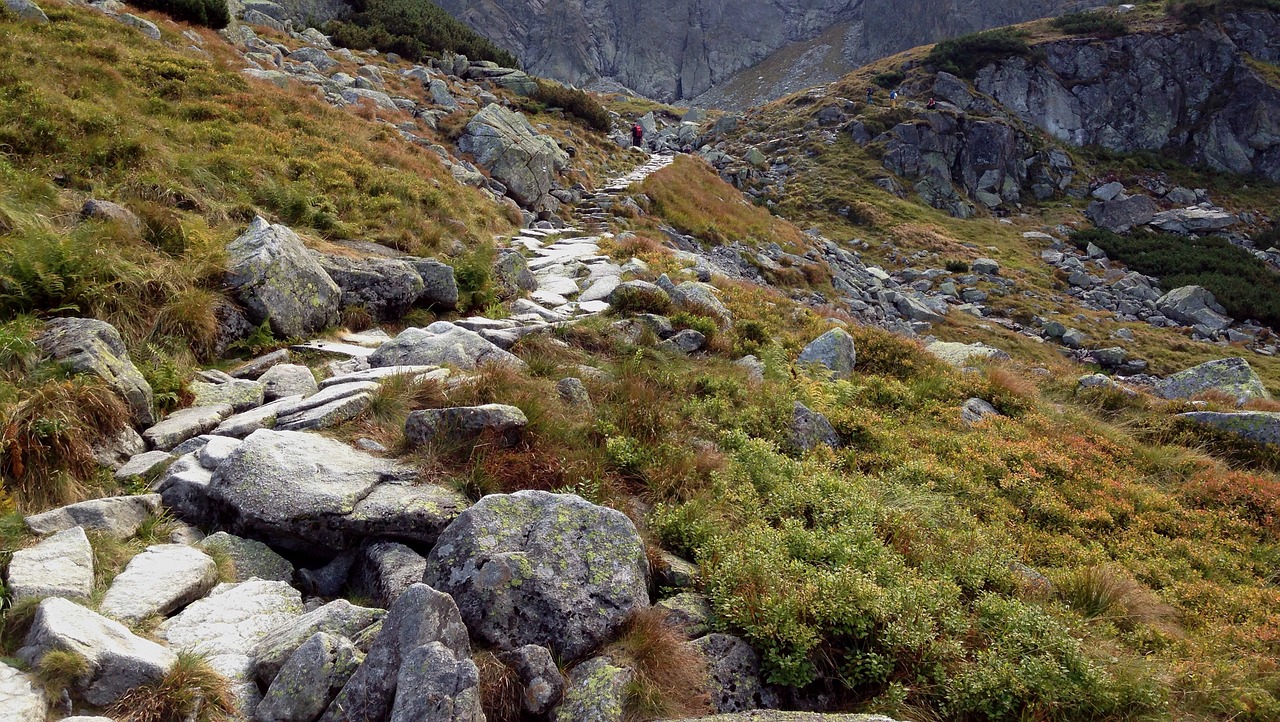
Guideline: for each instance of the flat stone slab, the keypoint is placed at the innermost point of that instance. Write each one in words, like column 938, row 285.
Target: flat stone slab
column 160, row 580
column 184, row 424
column 256, row 367
column 59, row 566
column 336, row 348
column 330, row 414
column 263, row 417
column 250, row 557
column 382, row 372
column 22, row 697
column 118, row 516
column 594, row 306
column 239, row 394
column 145, row 465
column 558, row 285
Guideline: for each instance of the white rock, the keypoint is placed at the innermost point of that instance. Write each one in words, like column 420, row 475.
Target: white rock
column 59, row 566
column 164, row 578
column 21, row 696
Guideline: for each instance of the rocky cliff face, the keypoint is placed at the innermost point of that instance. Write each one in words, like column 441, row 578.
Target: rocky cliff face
column 1202, row 92
column 688, row 49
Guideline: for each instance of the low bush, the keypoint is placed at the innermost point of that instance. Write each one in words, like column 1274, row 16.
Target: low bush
column 966, row 55
column 889, row 78
column 575, row 102
column 1090, row 23
column 1193, row 12
column 414, row 29
column 1244, row 285
column 957, row 267
column 210, row 13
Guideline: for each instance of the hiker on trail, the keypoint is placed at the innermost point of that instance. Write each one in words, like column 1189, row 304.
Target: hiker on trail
column 870, row 92
column 931, row 104
column 893, row 98
column 637, row 136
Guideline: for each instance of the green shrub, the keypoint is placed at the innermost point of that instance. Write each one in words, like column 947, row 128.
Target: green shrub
column 966, row 55
column 210, row 13
column 1193, row 12
column 415, row 29
column 888, row 78
column 957, row 267
column 1244, row 285
column 702, row 324
column 1269, row 238
column 577, row 103
column 1090, row 23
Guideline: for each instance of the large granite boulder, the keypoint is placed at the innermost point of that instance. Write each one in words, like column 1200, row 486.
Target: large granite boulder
column 465, row 425
column 160, row 580
column 1231, row 376
column 540, row 568
column 300, row 490
column 285, row 380
column 441, row 344
column 507, row 145
column 117, row 516
column 1260, row 426
column 1194, row 306
column 59, row 566
column 385, row 287
column 541, row 682
column 89, row 346
column 1122, row 214
column 833, row 351
column 22, row 696
column 26, row 10
column 117, row 659
column 309, row 680
column 438, row 684
column 276, row 279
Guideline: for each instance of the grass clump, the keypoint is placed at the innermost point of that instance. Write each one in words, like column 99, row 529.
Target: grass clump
column 966, row 55
column 191, row 691
column 209, row 13
column 58, row 669
column 1244, row 285
column 670, row 676
column 1092, row 23
column 415, row 29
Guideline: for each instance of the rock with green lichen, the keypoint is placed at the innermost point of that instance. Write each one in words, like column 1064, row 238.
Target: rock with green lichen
column 249, row 558
column 461, row 425
column 383, row 571
column 688, row 612
column 596, row 691
column 277, row 280
column 672, row 572
column 339, row 617
column 90, row 346
column 437, row 685
column 239, row 394
column 1231, row 376
column 1260, row 426
column 833, row 351
column 309, row 679
column 540, row 568
column 734, row 668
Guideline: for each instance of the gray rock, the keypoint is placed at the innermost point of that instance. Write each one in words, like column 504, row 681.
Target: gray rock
column 1194, row 306
column 249, row 558
column 1122, row 215
column 573, row 392
column 254, row 368
column 385, row 287
column 118, row 516
column 776, row 716
column 419, row 617
column 184, row 424
column 975, row 410
column 1073, row 338
column 146, row 466
column 1111, row 357
column 685, row 341
column 633, row 294
column 227, row 625
column 1108, row 191
column 277, row 280
column 117, row 660
column 753, row 366
column 113, row 451
column 689, row 612
column 1231, row 376
column 734, row 668
column 462, row 425
column 317, row 57
column 263, row 417
column 435, row 684
column 985, row 266
column 144, row 26
column 441, row 344
column 285, row 380
column 700, row 298
column 1260, row 426
column 964, row 354
column 300, row 490
column 160, row 580
column 99, row 210
column 540, row 568
column 239, row 394
column 89, row 346
column 915, row 308
column 439, row 284
column 1193, row 220
column 26, row 10
column 596, row 691
column 833, row 350
column 672, row 572
column 309, row 680
column 59, row 566
column 383, row 571
column 330, row 407
column 512, row 274
column 506, row 144
column 339, row 618
column 21, row 695
column 809, row 429
column 540, row 678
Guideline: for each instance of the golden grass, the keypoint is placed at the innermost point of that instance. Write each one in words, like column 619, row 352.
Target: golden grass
column 670, row 676
column 190, row 692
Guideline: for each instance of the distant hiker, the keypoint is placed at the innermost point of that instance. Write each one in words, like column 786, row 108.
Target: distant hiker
column 637, row 136
column 931, row 104
column 870, row 92
column 893, row 98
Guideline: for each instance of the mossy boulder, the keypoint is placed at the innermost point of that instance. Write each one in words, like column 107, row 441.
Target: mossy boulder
column 540, row 568
column 833, row 350
column 1231, row 376
column 278, row 280
column 90, row 346
column 596, row 691
column 1260, row 426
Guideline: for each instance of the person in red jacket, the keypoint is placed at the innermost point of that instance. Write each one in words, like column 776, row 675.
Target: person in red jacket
column 637, row 136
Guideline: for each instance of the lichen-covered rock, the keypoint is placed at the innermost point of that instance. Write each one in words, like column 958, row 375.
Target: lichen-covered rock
column 100, row 210
column 1231, row 376
column 1194, row 306
column 339, row 618
column 699, row 298
column 439, row 283
column 118, row 516
column 462, row 425
column 299, row 490
column 596, row 691
column 383, row 571
column 284, row 380
column 435, row 684
column 419, row 617
column 573, row 392
column 26, row 10
column 309, row 680
column 22, row 697
column 59, row 566
column 277, row 280
column 734, row 667
column 385, row 287
column 117, row 659
column 512, row 274
column 810, row 428
column 239, row 394
column 89, row 346
column 963, row 354
column 184, row 424
column 540, row 568
column 688, row 612
column 249, row 558
column 975, row 410
column 441, row 344
column 1122, row 214
column 504, row 142
column 540, row 678
column 832, row 350
column 164, row 578
column 1260, row 426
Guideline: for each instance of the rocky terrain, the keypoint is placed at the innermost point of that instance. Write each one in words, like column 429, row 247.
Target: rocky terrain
column 426, row 401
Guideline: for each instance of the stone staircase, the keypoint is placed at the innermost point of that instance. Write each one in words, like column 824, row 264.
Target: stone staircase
column 596, row 209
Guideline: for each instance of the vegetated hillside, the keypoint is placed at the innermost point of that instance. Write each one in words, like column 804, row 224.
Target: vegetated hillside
column 684, row 51
column 880, row 539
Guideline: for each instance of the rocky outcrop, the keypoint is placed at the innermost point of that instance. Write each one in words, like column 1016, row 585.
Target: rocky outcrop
column 833, row 351
column 1232, row 377
column 275, row 277
column 89, row 346
column 1260, row 426
column 526, row 162
column 540, row 568
column 1192, row 91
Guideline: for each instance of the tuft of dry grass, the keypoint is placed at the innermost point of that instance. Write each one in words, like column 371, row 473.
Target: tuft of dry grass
column 670, row 676
column 501, row 696
column 190, row 692
column 58, row 670
column 1107, row 594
